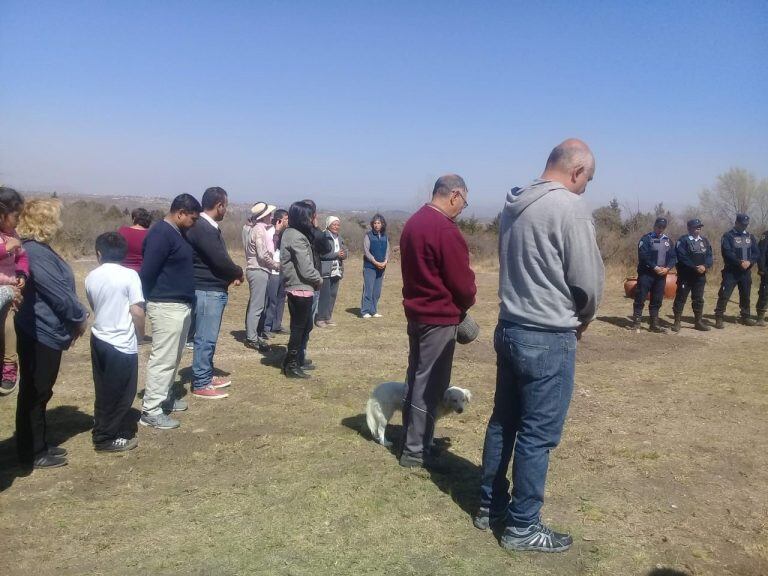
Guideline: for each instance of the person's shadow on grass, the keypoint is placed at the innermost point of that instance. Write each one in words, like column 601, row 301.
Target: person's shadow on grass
column 666, row 572
column 353, row 311
column 618, row 321
column 275, row 356
column 63, row 423
column 458, row 477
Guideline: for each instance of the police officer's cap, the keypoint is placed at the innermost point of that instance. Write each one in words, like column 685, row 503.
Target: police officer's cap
column 660, row 222
column 742, row 219
column 695, row 223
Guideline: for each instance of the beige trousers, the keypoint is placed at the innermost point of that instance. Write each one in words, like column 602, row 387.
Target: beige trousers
column 170, row 324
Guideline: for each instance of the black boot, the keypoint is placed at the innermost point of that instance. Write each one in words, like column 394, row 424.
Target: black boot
column 719, row 321
column 746, row 321
column 655, row 326
column 760, row 319
column 676, row 325
column 636, row 321
column 292, row 368
column 699, row 322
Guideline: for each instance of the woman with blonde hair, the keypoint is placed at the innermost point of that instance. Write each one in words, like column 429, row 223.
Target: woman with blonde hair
column 49, row 319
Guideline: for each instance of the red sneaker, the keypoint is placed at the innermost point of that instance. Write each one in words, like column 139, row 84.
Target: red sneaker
column 220, row 382
column 209, row 393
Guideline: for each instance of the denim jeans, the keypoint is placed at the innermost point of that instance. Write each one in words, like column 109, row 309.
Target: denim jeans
column 372, row 281
column 208, row 313
column 534, row 383
column 305, row 336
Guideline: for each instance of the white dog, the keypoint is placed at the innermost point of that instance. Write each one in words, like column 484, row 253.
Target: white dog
column 387, row 398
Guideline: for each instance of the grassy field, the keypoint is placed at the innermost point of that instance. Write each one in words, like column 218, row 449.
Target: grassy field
column 662, row 470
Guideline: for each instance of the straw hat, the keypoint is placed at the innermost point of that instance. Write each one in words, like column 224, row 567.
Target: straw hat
column 261, row 209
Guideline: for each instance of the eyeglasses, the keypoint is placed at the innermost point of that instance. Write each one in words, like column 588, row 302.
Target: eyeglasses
column 466, row 204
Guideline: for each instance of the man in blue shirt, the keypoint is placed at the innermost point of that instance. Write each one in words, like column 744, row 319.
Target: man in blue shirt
column 694, row 258
column 656, row 257
column 740, row 253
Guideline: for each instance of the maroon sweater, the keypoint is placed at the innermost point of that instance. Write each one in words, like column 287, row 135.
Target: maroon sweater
column 438, row 284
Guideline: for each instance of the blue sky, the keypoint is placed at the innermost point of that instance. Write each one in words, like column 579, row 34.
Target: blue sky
column 364, row 104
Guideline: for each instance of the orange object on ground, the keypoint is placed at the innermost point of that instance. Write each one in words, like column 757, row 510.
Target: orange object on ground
column 670, row 288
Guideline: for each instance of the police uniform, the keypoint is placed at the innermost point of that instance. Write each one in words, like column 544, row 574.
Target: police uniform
column 692, row 250
column 737, row 246
column 652, row 251
column 762, row 267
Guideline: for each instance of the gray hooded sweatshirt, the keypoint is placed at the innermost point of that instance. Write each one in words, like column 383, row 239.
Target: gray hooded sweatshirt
column 551, row 272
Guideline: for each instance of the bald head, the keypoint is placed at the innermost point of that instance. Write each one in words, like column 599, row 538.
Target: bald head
column 570, row 154
column 572, row 164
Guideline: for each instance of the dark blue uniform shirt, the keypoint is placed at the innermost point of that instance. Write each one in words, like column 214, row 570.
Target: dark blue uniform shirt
column 692, row 252
column 655, row 250
column 738, row 246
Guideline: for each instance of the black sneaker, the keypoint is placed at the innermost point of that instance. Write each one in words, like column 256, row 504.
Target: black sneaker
column 483, row 519
column 117, row 445
column 746, row 321
column 429, row 464
column 57, row 451
column 48, row 461
column 536, row 538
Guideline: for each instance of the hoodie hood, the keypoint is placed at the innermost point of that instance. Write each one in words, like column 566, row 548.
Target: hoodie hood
column 519, row 199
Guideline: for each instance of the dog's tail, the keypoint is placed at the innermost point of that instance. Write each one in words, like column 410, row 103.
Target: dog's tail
column 374, row 415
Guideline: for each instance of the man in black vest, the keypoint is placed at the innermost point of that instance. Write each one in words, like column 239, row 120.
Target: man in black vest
column 694, row 258
column 656, row 257
column 740, row 253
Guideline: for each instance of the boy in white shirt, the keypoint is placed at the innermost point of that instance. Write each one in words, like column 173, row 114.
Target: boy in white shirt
column 114, row 293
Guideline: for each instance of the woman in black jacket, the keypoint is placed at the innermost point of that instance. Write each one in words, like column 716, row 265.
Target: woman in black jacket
column 49, row 320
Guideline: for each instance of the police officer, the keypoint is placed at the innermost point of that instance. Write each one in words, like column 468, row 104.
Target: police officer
column 694, row 258
column 656, row 256
column 740, row 253
column 762, row 269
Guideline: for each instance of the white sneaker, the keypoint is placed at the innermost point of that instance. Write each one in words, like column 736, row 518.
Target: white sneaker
column 377, row 315
column 366, row 315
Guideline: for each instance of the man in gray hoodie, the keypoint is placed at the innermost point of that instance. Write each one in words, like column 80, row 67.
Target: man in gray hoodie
column 550, row 283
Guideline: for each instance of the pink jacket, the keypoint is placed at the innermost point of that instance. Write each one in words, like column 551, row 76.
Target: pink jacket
column 11, row 262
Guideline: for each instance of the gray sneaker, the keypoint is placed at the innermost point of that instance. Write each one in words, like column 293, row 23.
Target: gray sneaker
column 175, row 405
column 160, row 421
column 535, row 538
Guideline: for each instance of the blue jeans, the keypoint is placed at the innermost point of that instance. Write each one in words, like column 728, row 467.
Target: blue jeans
column 534, row 383
column 372, row 281
column 209, row 310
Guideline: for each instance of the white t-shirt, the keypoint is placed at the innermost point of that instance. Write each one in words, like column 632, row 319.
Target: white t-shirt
column 111, row 290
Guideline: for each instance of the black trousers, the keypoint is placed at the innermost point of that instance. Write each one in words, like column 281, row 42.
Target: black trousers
column 693, row 283
column 115, row 375
column 38, row 370
column 328, row 292
column 731, row 279
column 300, row 308
column 762, row 295
column 653, row 283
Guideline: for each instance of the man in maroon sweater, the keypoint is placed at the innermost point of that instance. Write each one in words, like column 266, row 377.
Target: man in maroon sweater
column 438, row 288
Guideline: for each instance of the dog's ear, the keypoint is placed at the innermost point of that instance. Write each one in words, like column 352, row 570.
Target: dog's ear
column 468, row 395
